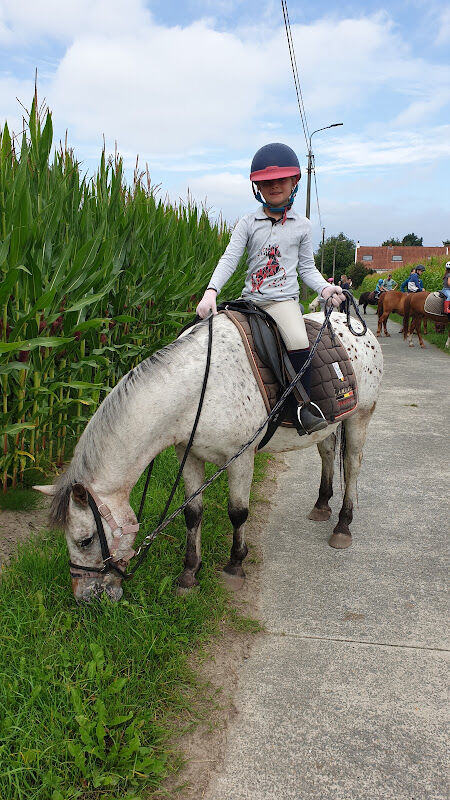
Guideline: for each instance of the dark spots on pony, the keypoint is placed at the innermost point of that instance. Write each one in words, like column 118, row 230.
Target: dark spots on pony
column 238, row 516
column 192, row 517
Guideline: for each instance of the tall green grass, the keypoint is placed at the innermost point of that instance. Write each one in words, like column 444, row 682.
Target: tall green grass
column 89, row 695
column 95, row 276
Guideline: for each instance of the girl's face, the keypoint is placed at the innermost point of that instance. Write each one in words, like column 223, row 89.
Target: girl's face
column 278, row 191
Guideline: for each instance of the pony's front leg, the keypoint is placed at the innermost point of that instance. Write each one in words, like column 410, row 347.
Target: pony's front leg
column 240, row 474
column 355, row 429
column 193, row 475
column 326, row 448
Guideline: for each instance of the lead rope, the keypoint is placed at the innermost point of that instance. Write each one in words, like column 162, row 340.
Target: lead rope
column 164, row 522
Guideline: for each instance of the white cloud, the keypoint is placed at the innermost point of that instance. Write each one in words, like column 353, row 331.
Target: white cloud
column 30, row 21
column 161, row 89
column 395, row 148
column 443, row 35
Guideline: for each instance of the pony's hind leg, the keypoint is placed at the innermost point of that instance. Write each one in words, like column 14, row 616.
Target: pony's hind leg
column 193, row 475
column 355, row 431
column 326, row 448
column 240, row 474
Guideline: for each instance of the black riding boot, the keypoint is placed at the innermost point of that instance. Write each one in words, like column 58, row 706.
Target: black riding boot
column 309, row 416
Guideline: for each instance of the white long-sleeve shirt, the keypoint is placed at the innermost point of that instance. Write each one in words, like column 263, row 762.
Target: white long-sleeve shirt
column 276, row 255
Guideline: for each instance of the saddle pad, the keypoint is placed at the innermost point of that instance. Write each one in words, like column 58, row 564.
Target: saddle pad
column 333, row 382
column 434, row 304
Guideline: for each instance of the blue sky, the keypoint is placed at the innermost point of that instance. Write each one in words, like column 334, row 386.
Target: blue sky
column 195, row 87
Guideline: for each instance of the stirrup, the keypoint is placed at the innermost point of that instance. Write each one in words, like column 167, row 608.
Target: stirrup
column 311, row 421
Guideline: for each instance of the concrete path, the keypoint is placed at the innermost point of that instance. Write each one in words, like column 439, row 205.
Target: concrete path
column 344, row 697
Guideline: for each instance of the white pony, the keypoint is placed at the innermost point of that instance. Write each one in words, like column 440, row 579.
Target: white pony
column 154, row 406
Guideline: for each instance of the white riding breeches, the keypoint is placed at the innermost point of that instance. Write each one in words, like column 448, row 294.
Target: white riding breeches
column 288, row 316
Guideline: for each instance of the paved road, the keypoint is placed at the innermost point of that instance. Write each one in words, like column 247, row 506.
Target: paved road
column 344, row 697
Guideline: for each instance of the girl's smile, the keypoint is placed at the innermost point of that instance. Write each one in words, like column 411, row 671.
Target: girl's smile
column 278, row 191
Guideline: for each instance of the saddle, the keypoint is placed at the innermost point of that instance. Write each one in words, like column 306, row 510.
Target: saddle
column 434, row 304
column 333, row 382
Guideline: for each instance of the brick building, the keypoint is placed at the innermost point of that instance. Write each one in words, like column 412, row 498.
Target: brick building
column 382, row 259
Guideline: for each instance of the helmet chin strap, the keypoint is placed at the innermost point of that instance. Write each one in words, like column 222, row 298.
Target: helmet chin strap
column 278, row 209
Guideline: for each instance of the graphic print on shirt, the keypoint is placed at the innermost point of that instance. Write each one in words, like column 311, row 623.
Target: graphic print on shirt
column 271, row 269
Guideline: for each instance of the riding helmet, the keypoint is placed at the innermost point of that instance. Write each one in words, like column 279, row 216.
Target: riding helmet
column 273, row 161
column 420, row 268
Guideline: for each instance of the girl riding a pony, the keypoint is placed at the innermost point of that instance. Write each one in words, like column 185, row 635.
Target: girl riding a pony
column 279, row 248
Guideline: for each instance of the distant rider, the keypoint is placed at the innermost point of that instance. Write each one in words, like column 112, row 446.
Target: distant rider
column 446, row 289
column 413, row 283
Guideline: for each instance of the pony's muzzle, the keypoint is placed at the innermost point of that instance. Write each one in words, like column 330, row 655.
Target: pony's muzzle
column 85, row 590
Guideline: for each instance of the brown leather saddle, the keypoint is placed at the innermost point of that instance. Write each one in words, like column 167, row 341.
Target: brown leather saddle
column 333, row 381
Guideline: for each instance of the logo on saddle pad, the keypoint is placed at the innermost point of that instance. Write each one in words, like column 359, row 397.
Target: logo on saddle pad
column 338, row 371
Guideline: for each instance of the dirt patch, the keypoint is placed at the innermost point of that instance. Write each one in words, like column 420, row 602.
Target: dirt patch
column 203, row 747
column 18, row 526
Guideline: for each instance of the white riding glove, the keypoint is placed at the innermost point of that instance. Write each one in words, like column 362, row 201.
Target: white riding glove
column 207, row 304
column 333, row 292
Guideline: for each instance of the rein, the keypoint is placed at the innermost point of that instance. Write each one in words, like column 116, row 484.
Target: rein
column 120, row 566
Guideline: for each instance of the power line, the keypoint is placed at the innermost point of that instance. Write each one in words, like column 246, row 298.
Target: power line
column 298, row 90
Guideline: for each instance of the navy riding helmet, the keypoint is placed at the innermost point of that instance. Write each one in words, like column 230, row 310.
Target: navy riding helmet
column 273, row 161
column 420, row 268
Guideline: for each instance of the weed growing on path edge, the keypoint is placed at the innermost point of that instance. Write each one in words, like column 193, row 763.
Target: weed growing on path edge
column 89, row 694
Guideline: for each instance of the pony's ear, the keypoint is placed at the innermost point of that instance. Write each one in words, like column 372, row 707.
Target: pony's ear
column 79, row 494
column 48, row 489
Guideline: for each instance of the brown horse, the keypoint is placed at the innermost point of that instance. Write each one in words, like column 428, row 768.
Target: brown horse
column 414, row 308
column 389, row 302
column 367, row 298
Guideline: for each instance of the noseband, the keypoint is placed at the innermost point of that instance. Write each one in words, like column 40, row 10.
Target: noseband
column 100, row 510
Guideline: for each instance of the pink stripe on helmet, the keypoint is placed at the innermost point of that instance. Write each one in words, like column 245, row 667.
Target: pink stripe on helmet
column 274, row 172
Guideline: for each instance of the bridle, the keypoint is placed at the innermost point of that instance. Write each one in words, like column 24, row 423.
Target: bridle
column 110, row 564
column 101, row 510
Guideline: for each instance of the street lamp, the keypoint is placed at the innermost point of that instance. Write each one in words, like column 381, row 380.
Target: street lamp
column 310, row 165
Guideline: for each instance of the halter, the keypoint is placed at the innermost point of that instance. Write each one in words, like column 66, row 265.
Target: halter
column 100, row 510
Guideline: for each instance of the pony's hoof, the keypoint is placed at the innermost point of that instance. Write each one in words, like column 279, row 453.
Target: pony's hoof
column 387, row 334
column 186, row 582
column 233, row 582
column 320, row 514
column 182, row 591
column 422, row 346
column 378, row 335
column 411, row 344
column 340, row 541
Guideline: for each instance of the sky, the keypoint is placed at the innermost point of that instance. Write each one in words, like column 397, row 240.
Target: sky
column 194, row 88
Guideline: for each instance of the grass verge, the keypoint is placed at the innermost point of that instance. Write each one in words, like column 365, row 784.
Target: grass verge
column 89, row 695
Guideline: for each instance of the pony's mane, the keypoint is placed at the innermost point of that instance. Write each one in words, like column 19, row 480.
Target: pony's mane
column 88, row 456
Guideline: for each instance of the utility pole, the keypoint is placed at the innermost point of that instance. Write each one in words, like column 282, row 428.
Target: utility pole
column 308, row 186
column 323, row 248
column 311, row 166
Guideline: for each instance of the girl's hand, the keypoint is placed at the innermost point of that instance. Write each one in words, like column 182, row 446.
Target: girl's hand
column 207, row 304
column 335, row 292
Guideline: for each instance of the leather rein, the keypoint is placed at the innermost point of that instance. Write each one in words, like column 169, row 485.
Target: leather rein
column 100, row 510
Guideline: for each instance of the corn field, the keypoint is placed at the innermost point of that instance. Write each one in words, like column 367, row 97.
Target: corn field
column 95, row 276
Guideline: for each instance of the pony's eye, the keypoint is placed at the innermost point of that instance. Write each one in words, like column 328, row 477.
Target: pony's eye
column 86, row 542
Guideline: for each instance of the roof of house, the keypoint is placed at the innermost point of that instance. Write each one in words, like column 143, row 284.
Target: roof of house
column 389, row 258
